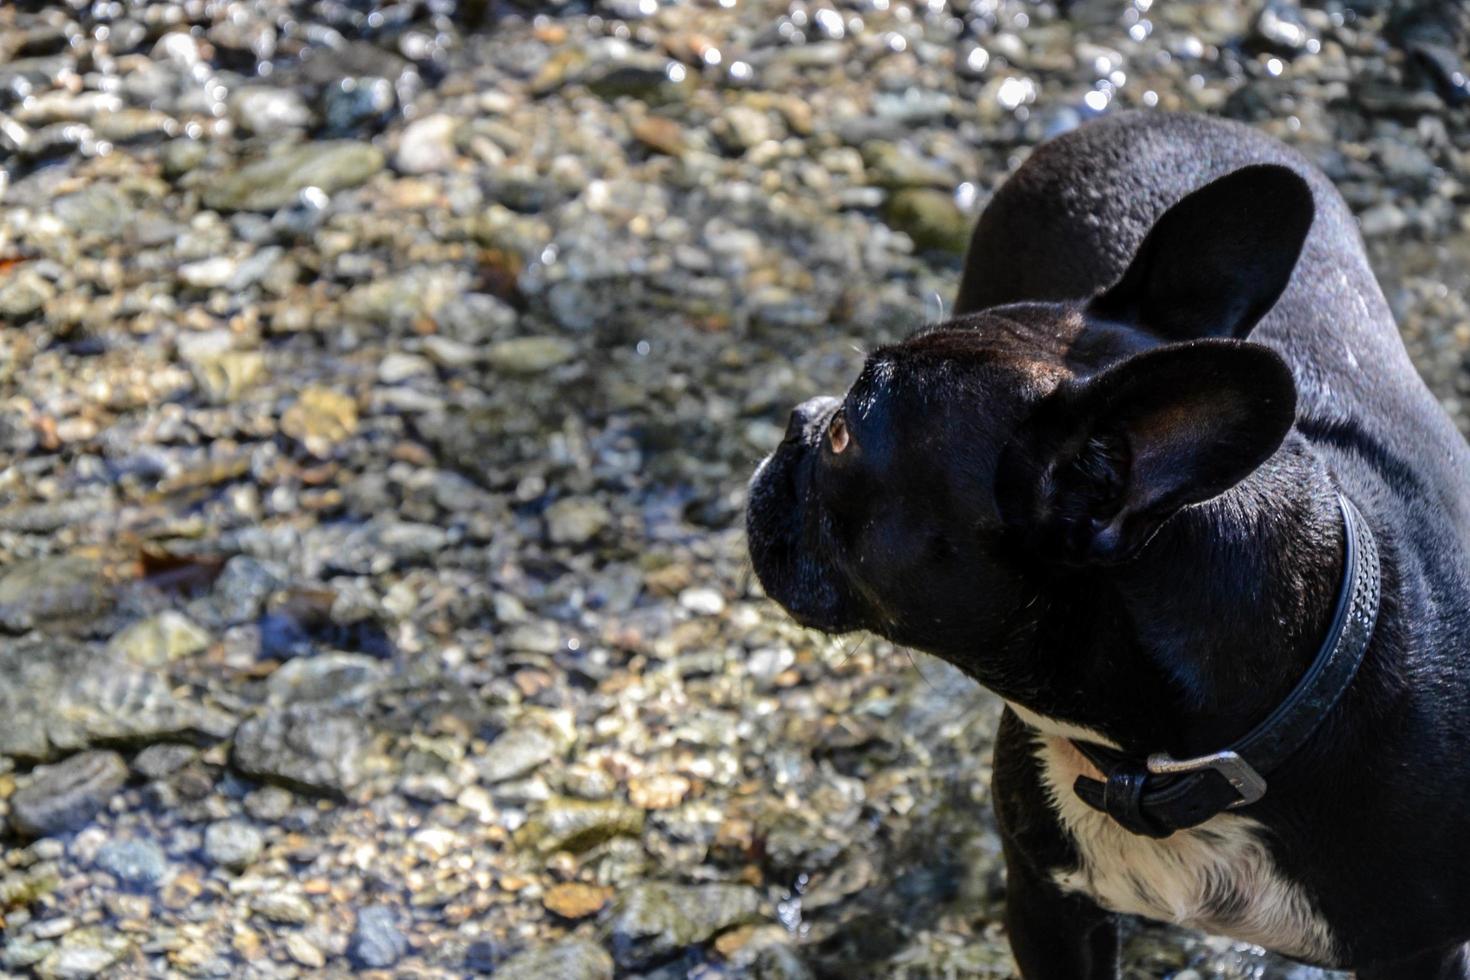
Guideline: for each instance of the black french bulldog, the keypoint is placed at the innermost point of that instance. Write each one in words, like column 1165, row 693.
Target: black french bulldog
column 1169, row 485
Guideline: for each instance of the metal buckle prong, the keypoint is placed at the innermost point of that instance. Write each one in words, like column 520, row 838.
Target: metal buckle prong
column 1237, row 772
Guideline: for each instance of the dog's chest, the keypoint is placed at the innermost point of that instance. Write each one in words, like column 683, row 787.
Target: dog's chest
column 1218, row 876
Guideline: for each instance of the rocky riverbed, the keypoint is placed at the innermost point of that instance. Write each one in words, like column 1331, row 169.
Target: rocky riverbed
column 378, row 384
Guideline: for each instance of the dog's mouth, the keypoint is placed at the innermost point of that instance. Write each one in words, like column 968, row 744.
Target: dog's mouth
column 785, row 538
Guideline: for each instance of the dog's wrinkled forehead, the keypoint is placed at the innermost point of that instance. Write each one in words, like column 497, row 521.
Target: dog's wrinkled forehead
column 1025, row 350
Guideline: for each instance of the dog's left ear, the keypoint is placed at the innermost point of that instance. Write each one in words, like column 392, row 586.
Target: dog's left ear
column 1217, row 261
column 1104, row 461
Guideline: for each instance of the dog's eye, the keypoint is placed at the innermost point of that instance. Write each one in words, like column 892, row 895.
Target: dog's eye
column 837, row 435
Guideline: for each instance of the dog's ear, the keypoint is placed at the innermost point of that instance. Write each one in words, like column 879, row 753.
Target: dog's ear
column 1104, row 461
column 1217, row 261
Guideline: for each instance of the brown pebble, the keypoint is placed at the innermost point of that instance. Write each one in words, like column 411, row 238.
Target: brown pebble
column 575, row 900
column 661, row 135
column 660, row 791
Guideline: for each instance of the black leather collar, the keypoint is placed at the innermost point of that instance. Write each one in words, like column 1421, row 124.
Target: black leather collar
column 1158, row 795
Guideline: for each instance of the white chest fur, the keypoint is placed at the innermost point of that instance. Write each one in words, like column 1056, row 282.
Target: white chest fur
column 1218, row 876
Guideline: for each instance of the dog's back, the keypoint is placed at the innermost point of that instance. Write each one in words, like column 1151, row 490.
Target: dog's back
column 1066, row 223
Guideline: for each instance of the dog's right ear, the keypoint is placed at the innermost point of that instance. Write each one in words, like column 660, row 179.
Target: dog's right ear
column 1217, row 261
column 1105, row 460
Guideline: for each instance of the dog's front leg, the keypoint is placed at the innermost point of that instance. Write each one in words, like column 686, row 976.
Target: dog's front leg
column 1055, row 936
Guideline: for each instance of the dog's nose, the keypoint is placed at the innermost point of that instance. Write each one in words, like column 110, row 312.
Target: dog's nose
column 808, row 413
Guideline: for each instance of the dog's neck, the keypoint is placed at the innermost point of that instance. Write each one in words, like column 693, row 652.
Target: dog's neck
column 1209, row 627
column 1233, row 600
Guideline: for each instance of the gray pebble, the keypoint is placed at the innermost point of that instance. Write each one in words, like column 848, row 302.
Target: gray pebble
column 570, row 959
column 376, row 943
column 135, row 863
column 66, row 796
column 301, row 746
column 233, row 844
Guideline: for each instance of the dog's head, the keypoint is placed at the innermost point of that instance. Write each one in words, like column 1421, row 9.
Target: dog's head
column 983, row 452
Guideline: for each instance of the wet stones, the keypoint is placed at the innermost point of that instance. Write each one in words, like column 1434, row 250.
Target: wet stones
column 571, row 959
column 158, row 640
column 338, row 678
column 303, row 747
column 930, row 218
column 529, row 355
column 485, row 590
column 283, row 907
column 376, row 942
column 402, row 301
column 320, row 419
column 576, row 520
column 653, row 920
column 519, row 752
column 101, row 209
column 233, row 844
column 576, row 825
column 107, row 702
column 51, row 593
column 83, row 953
column 225, row 376
column 267, row 110
column 576, row 900
column 59, row 696
column 661, row 134
column 138, row 864
column 23, row 296
column 273, row 182
column 427, row 145
column 65, row 796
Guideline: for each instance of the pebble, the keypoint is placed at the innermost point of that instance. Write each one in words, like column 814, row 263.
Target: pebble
column 662, row 791
column 82, row 954
column 576, row 520
column 576, row 825
column 427, row 145
column 661, row 135
column 163, row 760
column 269, row 804
column 741, row 128
column 519, row 752
column 653, row 920
column 304, row 747
column 225, row 377
column 529, row 355
column 450, row 354
column 266, row 110
column 51, row 591
column 930, row 218
column 320, row 419
column 65, row 796
column 135, row 863
column 282, row 907
column 702, row 601
column 160, row 639
column 396, row 368
column 571, row 959
column 304, row 951
column 210, row 273
column 376, row 943
column 233, row 844
column 342, row 678
column 23, row 296
column 274, row 181
column 576, row 900
column 1382, row 219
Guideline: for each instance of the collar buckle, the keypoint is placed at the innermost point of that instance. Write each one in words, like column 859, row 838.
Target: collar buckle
column 1240, row 774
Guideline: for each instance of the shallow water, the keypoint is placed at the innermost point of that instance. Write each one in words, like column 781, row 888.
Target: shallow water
column 377, row 395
